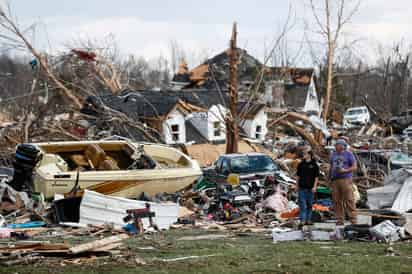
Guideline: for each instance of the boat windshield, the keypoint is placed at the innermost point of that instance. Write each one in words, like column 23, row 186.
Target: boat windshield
column 252, row 163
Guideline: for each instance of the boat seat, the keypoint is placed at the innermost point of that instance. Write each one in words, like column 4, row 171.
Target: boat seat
column 108, row 164
column 79, row 159
column 95, row 154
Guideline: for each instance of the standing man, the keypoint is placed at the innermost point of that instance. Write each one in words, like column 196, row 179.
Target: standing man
column 342, row 164
column 308, row 174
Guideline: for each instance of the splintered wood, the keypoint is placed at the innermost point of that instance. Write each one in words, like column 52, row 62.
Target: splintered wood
column 29, row 252
column 98, row 244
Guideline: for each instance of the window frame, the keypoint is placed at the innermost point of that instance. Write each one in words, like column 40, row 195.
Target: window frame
column 258, row 133
column 175, row 133
column 217, row 129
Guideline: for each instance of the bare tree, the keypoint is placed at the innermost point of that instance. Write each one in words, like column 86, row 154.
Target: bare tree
column 177, row 55
column 15, row 36
column 331, row 18
column 253, row 90
column 96, row 59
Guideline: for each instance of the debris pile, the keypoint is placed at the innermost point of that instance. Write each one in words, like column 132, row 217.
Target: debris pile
column 241, row 193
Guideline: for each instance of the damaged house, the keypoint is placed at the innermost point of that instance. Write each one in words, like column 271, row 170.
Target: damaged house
column 190, row 116
column 254, row 124
column 165, row 114
column 292, row 88
column 282, row 87
column 209, row 126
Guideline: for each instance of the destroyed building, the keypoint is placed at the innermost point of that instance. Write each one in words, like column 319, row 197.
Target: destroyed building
column 282, row 87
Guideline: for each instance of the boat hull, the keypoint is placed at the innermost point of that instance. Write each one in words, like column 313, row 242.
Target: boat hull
column 121, row 187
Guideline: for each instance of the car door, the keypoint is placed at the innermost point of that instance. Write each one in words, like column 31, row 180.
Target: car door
column 224, row 170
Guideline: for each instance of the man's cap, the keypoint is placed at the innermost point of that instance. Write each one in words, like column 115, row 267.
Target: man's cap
column 341, row 142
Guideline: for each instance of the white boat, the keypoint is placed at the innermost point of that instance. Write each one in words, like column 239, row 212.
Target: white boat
column 118, row 168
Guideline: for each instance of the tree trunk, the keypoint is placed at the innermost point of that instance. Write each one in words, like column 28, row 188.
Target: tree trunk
column 331, row 48
column 404, row 90
column 329, row 85
column 232, row 130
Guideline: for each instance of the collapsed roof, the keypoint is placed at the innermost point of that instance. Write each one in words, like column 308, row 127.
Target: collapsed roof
column 217, row 67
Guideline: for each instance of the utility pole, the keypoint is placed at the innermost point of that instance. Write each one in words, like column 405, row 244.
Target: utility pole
column 232, row 130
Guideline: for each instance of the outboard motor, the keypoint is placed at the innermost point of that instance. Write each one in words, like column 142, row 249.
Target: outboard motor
column 25, row 159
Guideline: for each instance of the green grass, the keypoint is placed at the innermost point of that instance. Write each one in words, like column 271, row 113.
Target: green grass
column 240, row 254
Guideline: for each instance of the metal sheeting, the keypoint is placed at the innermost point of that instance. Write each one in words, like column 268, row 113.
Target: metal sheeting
column 395, row 192
column 403, row 201
column 97, row 209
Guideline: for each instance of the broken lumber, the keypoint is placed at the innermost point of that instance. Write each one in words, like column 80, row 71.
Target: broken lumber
column 98, row 243
column 108, row 247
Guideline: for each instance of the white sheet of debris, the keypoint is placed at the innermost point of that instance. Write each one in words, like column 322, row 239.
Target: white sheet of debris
column 385, row 196
column 403, row 201
column 98, row 209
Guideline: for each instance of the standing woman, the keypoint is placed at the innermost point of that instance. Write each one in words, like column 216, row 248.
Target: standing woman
column 307, row 178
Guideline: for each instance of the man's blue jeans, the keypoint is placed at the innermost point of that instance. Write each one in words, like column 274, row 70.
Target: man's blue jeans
column 306, row 197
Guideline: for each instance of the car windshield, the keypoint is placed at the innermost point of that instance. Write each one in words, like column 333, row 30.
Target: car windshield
column 254, row 163
column 354, row 111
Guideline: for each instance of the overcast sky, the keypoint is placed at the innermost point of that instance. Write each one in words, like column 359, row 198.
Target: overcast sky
column 146, row 27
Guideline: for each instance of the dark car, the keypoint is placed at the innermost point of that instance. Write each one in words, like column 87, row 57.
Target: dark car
column 250, row 166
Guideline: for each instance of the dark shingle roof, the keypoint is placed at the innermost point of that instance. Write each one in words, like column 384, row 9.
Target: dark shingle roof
column 147, row 102
column 152, row 104
column 252, row 109
column 192, row 134
column 139, row 105
column 181, row 77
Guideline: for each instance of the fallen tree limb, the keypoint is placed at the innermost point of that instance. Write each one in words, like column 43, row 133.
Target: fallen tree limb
column 318, row 148
column 284, row 116
column 12, row 26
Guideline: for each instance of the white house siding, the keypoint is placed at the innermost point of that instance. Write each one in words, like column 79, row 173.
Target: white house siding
column 249, row 126
column 174, row 118
column 216, row 113
column 312, row 102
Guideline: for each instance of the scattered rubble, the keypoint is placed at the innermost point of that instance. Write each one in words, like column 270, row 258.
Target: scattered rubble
column 240, row 201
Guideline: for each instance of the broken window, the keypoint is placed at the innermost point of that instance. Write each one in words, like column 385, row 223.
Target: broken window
column 258, row 132
column 216, row 129
column 175, row 132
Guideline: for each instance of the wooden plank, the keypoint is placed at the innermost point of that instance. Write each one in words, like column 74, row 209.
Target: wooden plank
column 35, row 247
column 380, row 215
column 108, row 247
column 98, row 243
